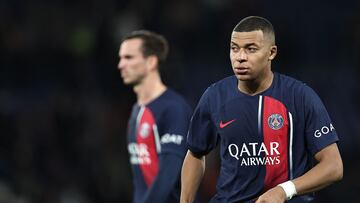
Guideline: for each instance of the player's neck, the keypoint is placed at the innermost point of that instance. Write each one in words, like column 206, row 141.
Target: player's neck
column 258, row 85
column 149, row 89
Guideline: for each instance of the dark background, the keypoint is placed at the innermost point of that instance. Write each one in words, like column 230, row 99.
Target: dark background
column 64, row 109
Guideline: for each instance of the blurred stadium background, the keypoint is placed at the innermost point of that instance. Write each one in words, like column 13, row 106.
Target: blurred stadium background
column 64, row 109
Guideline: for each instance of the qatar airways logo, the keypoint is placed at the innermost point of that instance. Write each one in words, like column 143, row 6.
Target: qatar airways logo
column 324, row 130
column 139, row 153
column 254, row 154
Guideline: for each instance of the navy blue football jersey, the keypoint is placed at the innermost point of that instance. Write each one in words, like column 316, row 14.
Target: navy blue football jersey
column 156, row 134
column 265, row 139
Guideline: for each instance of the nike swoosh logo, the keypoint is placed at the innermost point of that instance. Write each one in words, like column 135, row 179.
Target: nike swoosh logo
column 223, row 125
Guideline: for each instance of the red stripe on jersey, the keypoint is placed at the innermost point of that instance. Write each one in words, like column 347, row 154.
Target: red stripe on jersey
column 275, row 130
column 145, row 136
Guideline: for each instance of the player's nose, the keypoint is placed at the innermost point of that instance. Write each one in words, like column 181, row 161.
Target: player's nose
column 121, row 64
column 242, row 56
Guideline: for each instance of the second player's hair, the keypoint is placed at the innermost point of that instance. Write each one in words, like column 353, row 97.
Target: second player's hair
column 253, row 23
column 153, row 44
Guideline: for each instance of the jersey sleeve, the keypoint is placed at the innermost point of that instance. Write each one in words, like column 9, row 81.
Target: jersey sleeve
column 174, row 127
column 166, row 180
column 202, row 136
column 319, row 129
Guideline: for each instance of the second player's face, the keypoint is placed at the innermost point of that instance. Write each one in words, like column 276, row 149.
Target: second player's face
column 251, row 54
column 132, row 64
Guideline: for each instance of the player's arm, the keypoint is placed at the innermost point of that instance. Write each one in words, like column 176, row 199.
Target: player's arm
column 173, row 123
column 191, row 175
column 328, row 170
column 169, row 171
column 201, row 139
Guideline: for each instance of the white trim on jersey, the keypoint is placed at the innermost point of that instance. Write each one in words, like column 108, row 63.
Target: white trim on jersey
column 157, row 138
column 140, row 114
column 259, row 114
column 290, row 147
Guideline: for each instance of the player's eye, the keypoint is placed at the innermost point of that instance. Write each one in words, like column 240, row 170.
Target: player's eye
column 252, row 49
column 128, row 57
column 234, row 48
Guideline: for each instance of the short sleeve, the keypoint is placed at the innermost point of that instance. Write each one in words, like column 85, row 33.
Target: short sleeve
column 174, row 127
column 202, row 136
column 319, row 129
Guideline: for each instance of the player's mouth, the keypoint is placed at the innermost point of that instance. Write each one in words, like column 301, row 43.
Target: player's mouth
column 241, row 70
column 123, row 74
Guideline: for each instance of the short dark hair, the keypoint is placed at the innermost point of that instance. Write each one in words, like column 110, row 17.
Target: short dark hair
column 253, row 23
column 153, row 44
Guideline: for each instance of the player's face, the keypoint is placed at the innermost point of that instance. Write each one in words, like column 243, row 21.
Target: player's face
column 132, row 64
column 251, row 54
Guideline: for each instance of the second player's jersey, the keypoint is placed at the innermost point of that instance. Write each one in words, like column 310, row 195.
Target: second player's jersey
column 265, row 139
column 156, row 129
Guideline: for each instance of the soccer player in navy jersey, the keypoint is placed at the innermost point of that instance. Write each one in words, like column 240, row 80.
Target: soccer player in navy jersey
column 158, row 123
column 270, row 128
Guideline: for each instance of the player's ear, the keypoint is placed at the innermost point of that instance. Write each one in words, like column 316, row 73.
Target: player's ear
column 152, row 62
column 273, row 52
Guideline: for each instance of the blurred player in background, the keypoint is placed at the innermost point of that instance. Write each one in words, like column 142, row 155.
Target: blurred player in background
column 158, row 123
column 270, row 127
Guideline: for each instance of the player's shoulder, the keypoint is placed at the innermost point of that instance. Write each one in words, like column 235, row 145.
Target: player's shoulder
column 171, row 98
column 222, row 86
column 172, row 95
column 220, row 92
column 224, row 83
column 291, row 83
column 295, row 86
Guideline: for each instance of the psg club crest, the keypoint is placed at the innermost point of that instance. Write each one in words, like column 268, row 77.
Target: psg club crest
column 144, row 130
column 275, row 121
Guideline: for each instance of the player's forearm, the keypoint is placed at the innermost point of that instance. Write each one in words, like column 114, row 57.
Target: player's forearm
column 327, row 171
column 191, row 176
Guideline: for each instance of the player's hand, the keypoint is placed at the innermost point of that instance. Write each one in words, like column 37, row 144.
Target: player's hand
column 274, row 195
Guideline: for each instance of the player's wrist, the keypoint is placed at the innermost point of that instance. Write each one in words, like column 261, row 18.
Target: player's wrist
column 289, row 189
